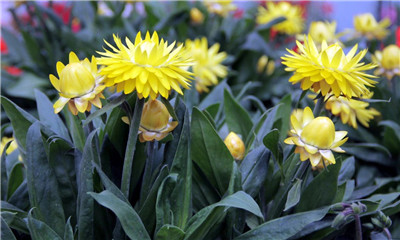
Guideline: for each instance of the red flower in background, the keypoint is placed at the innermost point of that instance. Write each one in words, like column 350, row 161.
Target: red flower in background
column 14, row 71
column 398, row 36
column 64, row 12
column 3, row 46
column 238, row 14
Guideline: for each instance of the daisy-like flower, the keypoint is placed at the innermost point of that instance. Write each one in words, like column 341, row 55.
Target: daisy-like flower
column 329, row 70
column 294, row 22
column 351, row 110
column 156, row 122
column 320, row 31
column 220, row 7
column 79, row 84
column 315, row 138
column 235, row 145
column 207, row 66
column 366, row 25
column 150, row 66
column 388, row 61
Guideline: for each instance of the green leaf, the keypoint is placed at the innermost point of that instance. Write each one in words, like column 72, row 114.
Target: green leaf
column 85, row 212
column 271, row 23
column 169, row 107
column 168, row 232
column 236, row 116
column 371, row 152
column 68, row 232
column 117, row 130
column 15, row 179
column 215, row 96
column 182, row 166
column 202, row 221
column 283, row 113
column 25, row 85
column 40, row 230
column 294, row 195
column 347, row 170
column 271, row 141
column 47, row 116
column 75, row 127
column 6, row 232
column 209, row 152
column 111, row 105
column 129, row 219
column 4, row 177
column 43, row 189
column 254, row 169
column 20, row 120
column 393, row 125
column 322, row 189
column 284, row 227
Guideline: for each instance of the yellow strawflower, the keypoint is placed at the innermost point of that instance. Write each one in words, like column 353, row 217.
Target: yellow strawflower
column 320, row 31
column 150, row 66
column 315, row 138
column 79, row 84
column 366, row 25
column 329, row 70
column 196, row 16
column 235, row 145
column 388, row 61
column 207, row 66
column 220, row 7
column 265, row 65
column 156, row 122
column 294, row 22
column 11, row 148
column 351, row 110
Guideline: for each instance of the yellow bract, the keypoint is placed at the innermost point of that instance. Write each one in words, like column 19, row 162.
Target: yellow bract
column 366, row 25
column 235, row 145
column 351, row 110
column 196, row 16
column 220, row 7
column 294, row 22
column 11, row 148
column 156, row 122
column 315, row 138
column 207, row 66
column 150, row 66
column 80, row 85
column 388, row 61
column 329, row 70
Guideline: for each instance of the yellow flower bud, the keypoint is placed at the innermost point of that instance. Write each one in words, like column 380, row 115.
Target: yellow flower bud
column 391, row 57
column 235, row 145
column 196, row 16
column 320, row 132
column 262, row 62
column 155, row 115
column 76, row 80
column 155, row 123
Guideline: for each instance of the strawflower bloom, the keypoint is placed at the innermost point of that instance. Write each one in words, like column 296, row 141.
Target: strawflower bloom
column 156, row 122
column 315, row 138
column 321, row 31
column 351, row 110
column 207, row 66
column 388, row 61
column 79, row 84
column 366, row 25
column 150, row 66
column 220, row 7
column 235, row 145
column 294, row 22
column 329, row 70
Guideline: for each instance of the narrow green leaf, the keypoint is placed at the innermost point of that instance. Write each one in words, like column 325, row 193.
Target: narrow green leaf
column 271, row 23
column 283, row 113
column 15, row 179
column 68, row 232
column 75, row 127
column 294, row 195
column 20, row 120
column 168, row 232
column 4, row 177
column 209, row 152
column 215, row 96
column 47, row 116
column 6, row 232
column 111, row 105
column 129, row 219
column 285, row 227
column 236, row 116
column 40, row 230
column 322, row 190
column 43, row 189
column 169, row 107
column 347, row 170
column 271, row 141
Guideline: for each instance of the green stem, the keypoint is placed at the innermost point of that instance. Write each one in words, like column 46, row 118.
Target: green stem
column 318, row 106
column 394, row 87
column 130, row 147
column 387, row 233
column 358, row 227
column 301, row 170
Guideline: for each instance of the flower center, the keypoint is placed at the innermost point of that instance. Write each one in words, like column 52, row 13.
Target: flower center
column 320, row 132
